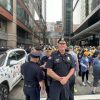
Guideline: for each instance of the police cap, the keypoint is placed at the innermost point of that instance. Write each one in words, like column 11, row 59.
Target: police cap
column 35, row 55
column 61, row 40
column 48, row 48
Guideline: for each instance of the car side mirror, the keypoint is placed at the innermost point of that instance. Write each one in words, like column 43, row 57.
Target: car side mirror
column 13, row 62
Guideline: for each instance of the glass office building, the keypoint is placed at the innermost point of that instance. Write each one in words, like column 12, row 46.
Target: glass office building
column 88, row 30
column 7, row 4
column 67, row 16
column 18, row 26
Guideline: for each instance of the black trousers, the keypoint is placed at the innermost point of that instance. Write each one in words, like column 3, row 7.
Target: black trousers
column 32, row 93
column 85, row 74
column 58, row 91
column 71, row 86
column 47, row 86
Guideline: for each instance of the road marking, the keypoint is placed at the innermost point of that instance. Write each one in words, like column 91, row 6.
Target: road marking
column 84, row 97
column 88, row 97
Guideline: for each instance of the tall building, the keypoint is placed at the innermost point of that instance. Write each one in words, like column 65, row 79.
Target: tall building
column 67, row 17
column 54, row 32
column 88, row 32
column 58, row 27
column 75, row 26
column 17, row 22
column 50, row 26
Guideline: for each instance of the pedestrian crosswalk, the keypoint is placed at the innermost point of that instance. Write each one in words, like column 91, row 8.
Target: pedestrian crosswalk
column 84, row 97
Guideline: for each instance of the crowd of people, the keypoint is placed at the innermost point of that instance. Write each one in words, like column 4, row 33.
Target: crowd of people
column 54, row 70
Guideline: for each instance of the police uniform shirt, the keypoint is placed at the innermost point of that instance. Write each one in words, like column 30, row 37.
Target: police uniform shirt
column 31, row 72
column 43, row 60
column 61, row 64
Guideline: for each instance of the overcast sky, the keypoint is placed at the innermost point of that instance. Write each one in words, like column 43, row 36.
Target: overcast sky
column 54, row 10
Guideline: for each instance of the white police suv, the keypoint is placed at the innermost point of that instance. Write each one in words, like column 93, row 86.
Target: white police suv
column 10, row 75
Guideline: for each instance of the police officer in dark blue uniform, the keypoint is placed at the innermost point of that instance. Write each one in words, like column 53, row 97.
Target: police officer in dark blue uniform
column 60, row 67
column 33, row 78
column 44, row 60
column 34, row 50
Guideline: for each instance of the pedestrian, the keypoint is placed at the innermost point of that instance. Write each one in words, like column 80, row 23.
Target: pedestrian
column 47, row 80
column 96, row 71
column 79, row 59
column 85, row 67
column 33, row 50
column 33, row 78
column 60, row 67
column 72, row 79
column 74, row 55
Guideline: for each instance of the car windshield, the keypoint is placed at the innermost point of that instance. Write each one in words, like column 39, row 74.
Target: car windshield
column 2, row 58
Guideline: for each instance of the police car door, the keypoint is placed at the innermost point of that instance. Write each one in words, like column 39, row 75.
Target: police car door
column 11, row 64
column 20, row 55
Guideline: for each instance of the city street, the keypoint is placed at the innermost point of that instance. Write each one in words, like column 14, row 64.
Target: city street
column 82, row 93
column 40, row 28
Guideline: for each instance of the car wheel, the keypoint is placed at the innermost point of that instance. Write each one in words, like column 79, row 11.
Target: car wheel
column 3, row 92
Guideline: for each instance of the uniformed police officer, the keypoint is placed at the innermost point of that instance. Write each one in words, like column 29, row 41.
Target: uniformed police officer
column 44, row 60
column 60, row 67
column 33, row 50
column 33, row 78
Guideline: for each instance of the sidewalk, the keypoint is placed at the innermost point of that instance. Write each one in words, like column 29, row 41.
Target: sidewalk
column 84, row 97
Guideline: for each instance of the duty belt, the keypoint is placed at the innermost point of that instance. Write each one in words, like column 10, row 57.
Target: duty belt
column 28, row 85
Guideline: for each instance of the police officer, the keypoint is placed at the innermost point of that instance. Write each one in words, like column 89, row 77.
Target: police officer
column 60, row 67
column 33, row 50
column 44, row 60
column 33, row 78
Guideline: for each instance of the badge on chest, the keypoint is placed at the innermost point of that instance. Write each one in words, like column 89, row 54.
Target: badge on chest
column 57, row 60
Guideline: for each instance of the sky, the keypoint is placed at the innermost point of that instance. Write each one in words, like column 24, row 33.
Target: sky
column 54, row 10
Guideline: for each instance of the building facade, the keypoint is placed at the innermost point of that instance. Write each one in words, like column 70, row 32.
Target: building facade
column 67, row 18
column 54, row 32
column 59, row 27
column 17, row 22
column 88, row 32
column 50, row 26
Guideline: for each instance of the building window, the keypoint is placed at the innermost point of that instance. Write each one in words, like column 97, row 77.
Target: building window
column 3, row 43
column 3, row 25
column 7, row 4
column 23, row 16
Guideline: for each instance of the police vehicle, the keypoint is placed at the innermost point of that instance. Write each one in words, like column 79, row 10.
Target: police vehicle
column 10, row 75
